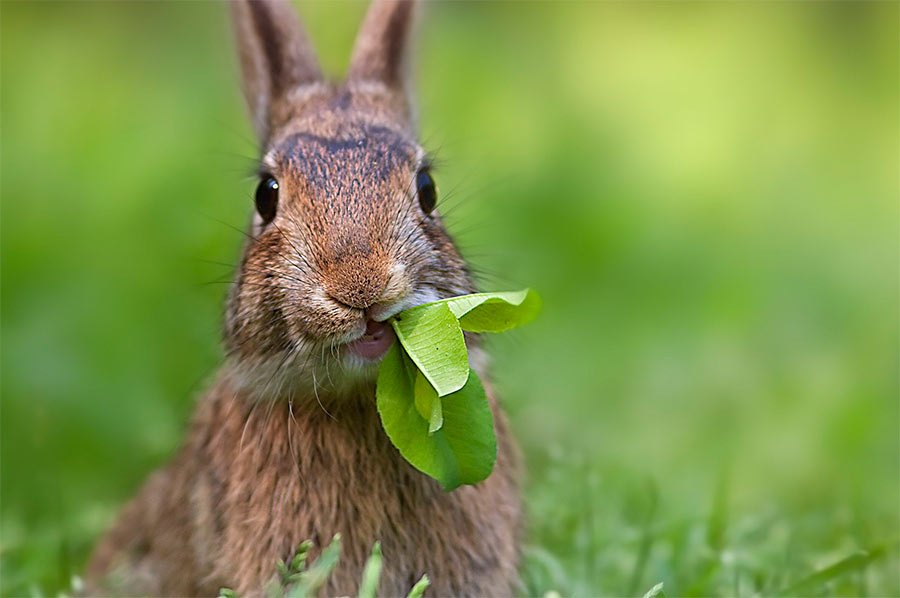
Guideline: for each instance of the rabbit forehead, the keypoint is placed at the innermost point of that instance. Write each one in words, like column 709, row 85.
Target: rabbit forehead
column 348, row 189
column 363, row 154
column 355, row 174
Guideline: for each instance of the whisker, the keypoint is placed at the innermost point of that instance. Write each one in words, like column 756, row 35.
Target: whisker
column 297, row 251
column 256, row 240
column 327, row 371
column 318, row 400
column 246, row 423
column 290, row 435
column 264, row 328
column 248, row 270
column 250, row 284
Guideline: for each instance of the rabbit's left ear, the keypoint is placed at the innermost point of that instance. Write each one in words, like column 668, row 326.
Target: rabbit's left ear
column 276, row 58
column 381, row 52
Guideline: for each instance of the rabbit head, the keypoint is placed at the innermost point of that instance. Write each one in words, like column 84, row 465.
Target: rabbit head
column 345, row 232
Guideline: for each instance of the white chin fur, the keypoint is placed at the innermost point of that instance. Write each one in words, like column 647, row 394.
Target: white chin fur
column 302, row 376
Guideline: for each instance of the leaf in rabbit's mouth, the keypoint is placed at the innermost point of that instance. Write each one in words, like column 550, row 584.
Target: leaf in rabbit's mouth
column 433, row 407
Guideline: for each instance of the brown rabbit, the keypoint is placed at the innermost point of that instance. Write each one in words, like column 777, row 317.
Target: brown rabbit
column 287, row 444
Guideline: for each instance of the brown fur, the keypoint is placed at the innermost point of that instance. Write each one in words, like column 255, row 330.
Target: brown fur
column 287, row 444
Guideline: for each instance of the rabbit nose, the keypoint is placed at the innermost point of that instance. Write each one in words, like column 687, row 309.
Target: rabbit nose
column 371, row 289
column 356, row 271
column 357, row 281
column 395, row 297
column 359, row 291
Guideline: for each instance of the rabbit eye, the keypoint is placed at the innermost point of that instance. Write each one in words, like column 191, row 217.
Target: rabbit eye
column 267, row 198
column 426, row 191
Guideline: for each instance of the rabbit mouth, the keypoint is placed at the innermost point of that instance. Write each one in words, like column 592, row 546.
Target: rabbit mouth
column 374, row 342
column 369, row 346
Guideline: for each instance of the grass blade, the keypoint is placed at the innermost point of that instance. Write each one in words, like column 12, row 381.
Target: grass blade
column 656, row 591
column 854, row 562
column 371, row 573
column 419, row 589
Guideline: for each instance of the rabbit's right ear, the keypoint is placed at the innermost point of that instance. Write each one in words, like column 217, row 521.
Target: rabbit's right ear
column 276, row 58
column 382, row 53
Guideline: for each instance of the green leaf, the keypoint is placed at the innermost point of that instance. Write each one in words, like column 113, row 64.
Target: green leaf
column 656, row 591
column 406, row 429
column 428, row 403
column 491, row 312
column 434, row 341
column 463, row 451
column 371, row 574
column 469, row 430
column 432, row 406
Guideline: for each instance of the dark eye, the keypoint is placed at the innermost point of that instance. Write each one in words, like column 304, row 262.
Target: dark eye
column 267, row 198
column 426, row 191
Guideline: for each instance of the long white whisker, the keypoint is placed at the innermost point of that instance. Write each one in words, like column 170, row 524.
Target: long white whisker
column 318, row 400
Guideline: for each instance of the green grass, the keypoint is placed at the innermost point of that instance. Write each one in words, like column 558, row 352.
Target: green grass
column 300, row 578
column 704, row 194
column 630, row 540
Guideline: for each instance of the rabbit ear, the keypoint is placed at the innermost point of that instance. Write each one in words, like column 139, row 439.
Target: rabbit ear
column 381, row 53
column 276, row 58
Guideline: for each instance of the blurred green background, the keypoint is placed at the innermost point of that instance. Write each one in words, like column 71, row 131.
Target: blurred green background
column 705, row 194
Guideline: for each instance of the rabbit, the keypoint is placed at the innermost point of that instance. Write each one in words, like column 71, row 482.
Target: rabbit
column 286, row 445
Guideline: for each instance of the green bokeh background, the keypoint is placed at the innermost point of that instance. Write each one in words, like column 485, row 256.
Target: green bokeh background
column 705, row 194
